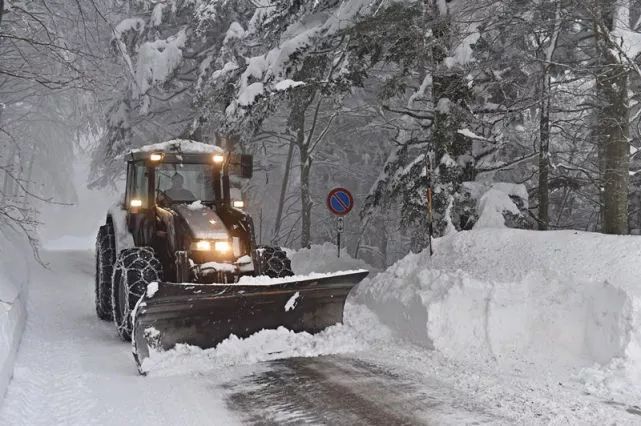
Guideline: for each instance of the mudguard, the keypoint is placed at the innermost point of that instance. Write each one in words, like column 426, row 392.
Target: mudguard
column 206, row 314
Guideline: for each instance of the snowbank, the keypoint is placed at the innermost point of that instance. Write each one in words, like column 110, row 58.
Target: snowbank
column 548, row 300
column 14, row 276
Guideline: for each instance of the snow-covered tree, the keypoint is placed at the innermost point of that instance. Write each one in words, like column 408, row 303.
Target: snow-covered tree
column 51, row 78
column 485, row 92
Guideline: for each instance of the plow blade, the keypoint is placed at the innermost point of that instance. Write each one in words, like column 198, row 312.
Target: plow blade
column 206, row 314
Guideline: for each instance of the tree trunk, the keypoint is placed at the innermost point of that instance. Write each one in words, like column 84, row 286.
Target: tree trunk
column 613, row 125
column 612, row 86
column 453, row 151
column 544, row 155
column 305, row 197
column 9, row 174
column 298, row 123
column 544, row 129
column 283, row 194
column 384, row 240
column 28, row 180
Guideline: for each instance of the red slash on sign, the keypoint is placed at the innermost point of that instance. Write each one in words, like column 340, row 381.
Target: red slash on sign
column 340, row 201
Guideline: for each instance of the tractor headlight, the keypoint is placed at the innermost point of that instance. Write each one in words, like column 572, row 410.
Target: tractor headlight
column 238, row 204
column 218, row 158
column 156, row 156
column 202, row 246
column 135, row 203
column 222, row 246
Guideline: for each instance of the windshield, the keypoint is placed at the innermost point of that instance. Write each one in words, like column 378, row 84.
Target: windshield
column 184, row 182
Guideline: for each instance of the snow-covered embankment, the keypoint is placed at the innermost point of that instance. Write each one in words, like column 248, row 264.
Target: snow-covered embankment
column 544, row 300
column 13, row 288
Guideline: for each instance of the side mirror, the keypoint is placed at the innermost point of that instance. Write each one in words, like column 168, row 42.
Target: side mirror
column 242, row 165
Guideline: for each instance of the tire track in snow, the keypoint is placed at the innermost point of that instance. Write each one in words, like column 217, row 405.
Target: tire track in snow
column 344, row 391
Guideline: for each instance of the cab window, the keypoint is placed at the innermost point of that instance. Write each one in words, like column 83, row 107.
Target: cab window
column 184, row 183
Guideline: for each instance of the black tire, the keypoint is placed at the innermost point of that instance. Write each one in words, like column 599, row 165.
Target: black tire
column 273, row 262
column 135, row 268
column 105, row 258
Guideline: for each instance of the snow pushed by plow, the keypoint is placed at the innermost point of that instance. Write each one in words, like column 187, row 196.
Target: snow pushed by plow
column 360, row 329
column 522, row 300
column 355, row 335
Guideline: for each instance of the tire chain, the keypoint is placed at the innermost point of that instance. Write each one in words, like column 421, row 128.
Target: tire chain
column 274, row 262
column 135, row 269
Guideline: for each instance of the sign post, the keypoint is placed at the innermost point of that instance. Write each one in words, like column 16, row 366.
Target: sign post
column 430, row 218
column 340, row 226
column 340, row 202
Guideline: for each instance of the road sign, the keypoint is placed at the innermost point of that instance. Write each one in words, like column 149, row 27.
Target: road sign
column 340, row 201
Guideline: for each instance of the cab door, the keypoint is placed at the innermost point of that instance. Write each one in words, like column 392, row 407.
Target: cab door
column 137, row 202
column 137, row 193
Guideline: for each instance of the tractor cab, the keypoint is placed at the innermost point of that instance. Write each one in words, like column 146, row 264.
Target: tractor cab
column 181, row 172
column 178, row 201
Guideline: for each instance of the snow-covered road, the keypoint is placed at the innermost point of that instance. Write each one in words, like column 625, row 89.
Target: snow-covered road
column 73, row 370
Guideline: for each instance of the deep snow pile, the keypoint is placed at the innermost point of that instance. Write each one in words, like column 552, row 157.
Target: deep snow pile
column 544, row 300
column 13, row 285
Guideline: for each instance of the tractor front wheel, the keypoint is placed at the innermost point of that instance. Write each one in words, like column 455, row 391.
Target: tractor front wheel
column 135, row 268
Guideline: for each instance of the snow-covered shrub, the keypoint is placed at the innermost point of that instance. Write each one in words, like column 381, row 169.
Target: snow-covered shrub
column 499, row 205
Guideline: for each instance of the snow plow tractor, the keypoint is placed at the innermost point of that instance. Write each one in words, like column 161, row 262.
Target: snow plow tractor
column 177, row 260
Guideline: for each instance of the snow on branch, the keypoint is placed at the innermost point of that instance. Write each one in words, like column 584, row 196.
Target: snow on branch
column 157, row 60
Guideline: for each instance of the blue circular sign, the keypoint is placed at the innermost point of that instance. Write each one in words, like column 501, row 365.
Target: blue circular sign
column 340, row 201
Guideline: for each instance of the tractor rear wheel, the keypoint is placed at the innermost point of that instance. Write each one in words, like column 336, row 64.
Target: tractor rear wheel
column 105, row 258
column 135, row 268
column 273, row 262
